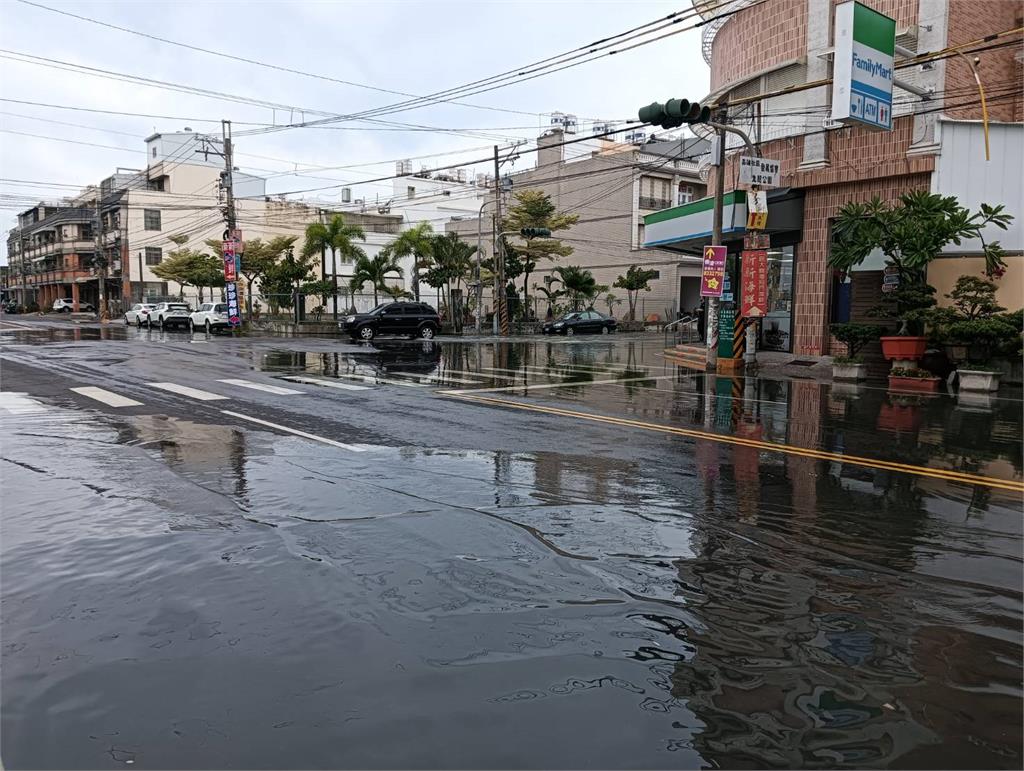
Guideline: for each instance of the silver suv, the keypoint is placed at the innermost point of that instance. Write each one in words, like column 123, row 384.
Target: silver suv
column 166, row 315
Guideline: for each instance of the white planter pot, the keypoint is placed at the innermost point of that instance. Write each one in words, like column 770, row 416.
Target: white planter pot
column 849, row 371
column 978, row 380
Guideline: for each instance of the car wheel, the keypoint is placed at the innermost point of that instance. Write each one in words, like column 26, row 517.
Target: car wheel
column 208, row 330
column 569, row 331
column 605, row 330
column 366, row 333
column 427, row 332
column 191, row 327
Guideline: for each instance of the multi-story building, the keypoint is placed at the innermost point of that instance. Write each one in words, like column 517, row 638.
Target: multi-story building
column 936, row 144
column 610, row 186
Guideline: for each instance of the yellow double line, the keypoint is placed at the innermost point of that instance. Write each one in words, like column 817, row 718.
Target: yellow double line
column 906, row 468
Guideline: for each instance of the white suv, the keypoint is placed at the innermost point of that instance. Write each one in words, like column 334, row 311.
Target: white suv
column 66, row 305
column 210, row 316
column 169, row 315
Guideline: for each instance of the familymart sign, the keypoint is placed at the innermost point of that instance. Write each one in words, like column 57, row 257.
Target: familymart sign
column 862, row 73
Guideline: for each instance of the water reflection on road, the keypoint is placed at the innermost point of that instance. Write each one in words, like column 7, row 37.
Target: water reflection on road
column 229, row 597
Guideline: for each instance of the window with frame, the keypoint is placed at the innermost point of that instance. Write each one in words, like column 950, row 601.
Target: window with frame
column 151, row 219
column 410, row 192
column 153, row 255
column 684, row 194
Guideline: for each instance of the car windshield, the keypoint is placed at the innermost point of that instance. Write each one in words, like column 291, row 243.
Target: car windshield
column 569, row 317
column 221, row 308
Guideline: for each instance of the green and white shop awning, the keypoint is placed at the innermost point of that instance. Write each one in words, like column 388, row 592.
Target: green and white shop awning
column 681, row 226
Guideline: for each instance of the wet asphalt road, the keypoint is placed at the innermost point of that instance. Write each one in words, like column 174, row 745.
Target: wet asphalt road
column 549, row 554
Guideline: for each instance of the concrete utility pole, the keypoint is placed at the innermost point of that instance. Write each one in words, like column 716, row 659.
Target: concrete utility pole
column 500, row 299
column 100, row 260
column 479, row 281
column 716, row 240
column 229, row 187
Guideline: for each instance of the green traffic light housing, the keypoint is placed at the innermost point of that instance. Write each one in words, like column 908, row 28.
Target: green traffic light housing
column 674, row 113
column 535, row 232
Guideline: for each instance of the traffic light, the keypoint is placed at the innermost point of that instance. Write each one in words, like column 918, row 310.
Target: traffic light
column 674, row 113
column 535, row 233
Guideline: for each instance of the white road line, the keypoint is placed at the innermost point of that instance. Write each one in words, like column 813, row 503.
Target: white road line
column 438, row 378
column 295, row 431
column 194, row 393
column 328, row 383
column 107, row 397
column 18, row 403
column 270, row 389
column 379, row 380
column 543, row 386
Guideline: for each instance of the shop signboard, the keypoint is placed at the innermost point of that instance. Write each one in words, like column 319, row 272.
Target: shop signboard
column 754, row 283
column 762, row 172
column 862, row 73
column 712, row 277
column 755, row 239
column 726, row 328
column 757, row 210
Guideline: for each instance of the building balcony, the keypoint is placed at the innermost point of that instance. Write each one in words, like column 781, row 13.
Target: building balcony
column 57, row 277
column 59, row 248
column 654, row 204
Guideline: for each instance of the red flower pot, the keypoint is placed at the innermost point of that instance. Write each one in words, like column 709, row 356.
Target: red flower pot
column 904, row 348
column 918, row 384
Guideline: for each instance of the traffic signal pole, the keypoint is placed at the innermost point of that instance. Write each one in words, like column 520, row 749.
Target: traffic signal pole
column 716, row 240
column 500, row 297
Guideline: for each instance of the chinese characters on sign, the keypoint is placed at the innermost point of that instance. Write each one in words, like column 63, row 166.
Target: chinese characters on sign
column 712, row 276
column 759, row 171
column 757, row 210
column 754, row 283
column 232, row 257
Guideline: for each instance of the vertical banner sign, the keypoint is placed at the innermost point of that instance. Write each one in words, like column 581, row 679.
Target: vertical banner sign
column 712, row 276
column 862, row 76
column 726, row 323
column 231, row 247
column 754, row 284
column 757, row 210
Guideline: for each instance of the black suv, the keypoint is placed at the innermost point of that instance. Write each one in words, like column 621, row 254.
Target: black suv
column 399, row 318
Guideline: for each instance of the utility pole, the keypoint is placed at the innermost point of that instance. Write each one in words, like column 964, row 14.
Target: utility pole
column 142, row 286
column 479, row 280
column 716, row 240
column 232, row 262
column 100, row 260
column 500, row 299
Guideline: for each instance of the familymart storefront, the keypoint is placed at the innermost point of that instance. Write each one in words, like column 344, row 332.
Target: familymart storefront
column 686, row 229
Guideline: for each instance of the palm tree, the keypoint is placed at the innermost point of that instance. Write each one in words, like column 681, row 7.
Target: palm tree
column 579, row 284
column 336, row 236
column 374, row 270
column 414, row 242
column 450, row 265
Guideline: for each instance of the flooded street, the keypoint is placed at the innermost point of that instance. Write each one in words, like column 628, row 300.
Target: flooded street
column 468, row 555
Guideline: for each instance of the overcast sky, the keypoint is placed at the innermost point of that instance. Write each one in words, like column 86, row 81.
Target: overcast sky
column 414, row 47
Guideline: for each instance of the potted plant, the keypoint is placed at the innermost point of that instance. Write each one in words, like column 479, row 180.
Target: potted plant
column 855, row 336
column 912, row 379
column 900, row 413
column 976, row 327
column 910, row 233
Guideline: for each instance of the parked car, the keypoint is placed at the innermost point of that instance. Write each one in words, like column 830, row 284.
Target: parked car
column 166, row 315
column 393, row 318
column 66, row 305
column 138, row 313
column 210, row 316
column 580, row 322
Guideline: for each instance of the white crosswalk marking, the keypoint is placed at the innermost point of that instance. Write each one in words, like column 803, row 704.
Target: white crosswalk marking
column 270, row 389
column 18, row 403
column 194, row 393
column 328, row 383
column 107, row 397
column 437, row 378
column 380, row 380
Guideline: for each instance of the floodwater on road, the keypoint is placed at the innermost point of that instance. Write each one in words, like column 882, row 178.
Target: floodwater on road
column 180, row 594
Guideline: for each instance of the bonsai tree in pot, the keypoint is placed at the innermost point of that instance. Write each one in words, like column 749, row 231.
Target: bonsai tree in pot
column 975, row 329
column 911, row 233
column 856, row 336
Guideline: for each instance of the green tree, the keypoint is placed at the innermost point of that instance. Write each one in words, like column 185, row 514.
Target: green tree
column 258, row 256
column 284, row 277
column 635, row 280
column 551, row 295
column 534, row 209
column 182, row 266
column 374, row 270
column 579, row 285
column 911, row 233
column 611, row 301
column 336, row 236
column 416, row 242
column 450, row 265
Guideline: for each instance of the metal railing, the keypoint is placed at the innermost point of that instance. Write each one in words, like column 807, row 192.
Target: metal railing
column 683, row 331
column 649, row 202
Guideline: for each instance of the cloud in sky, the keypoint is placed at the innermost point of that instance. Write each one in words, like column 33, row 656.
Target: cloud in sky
column 414, row 47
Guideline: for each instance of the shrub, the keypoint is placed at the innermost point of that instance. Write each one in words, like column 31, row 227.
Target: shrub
column 856, row 336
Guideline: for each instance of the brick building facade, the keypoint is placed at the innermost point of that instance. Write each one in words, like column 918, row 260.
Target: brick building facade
column 765, row 47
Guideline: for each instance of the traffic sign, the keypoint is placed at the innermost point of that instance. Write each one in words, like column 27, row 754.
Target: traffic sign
column 763, row 172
